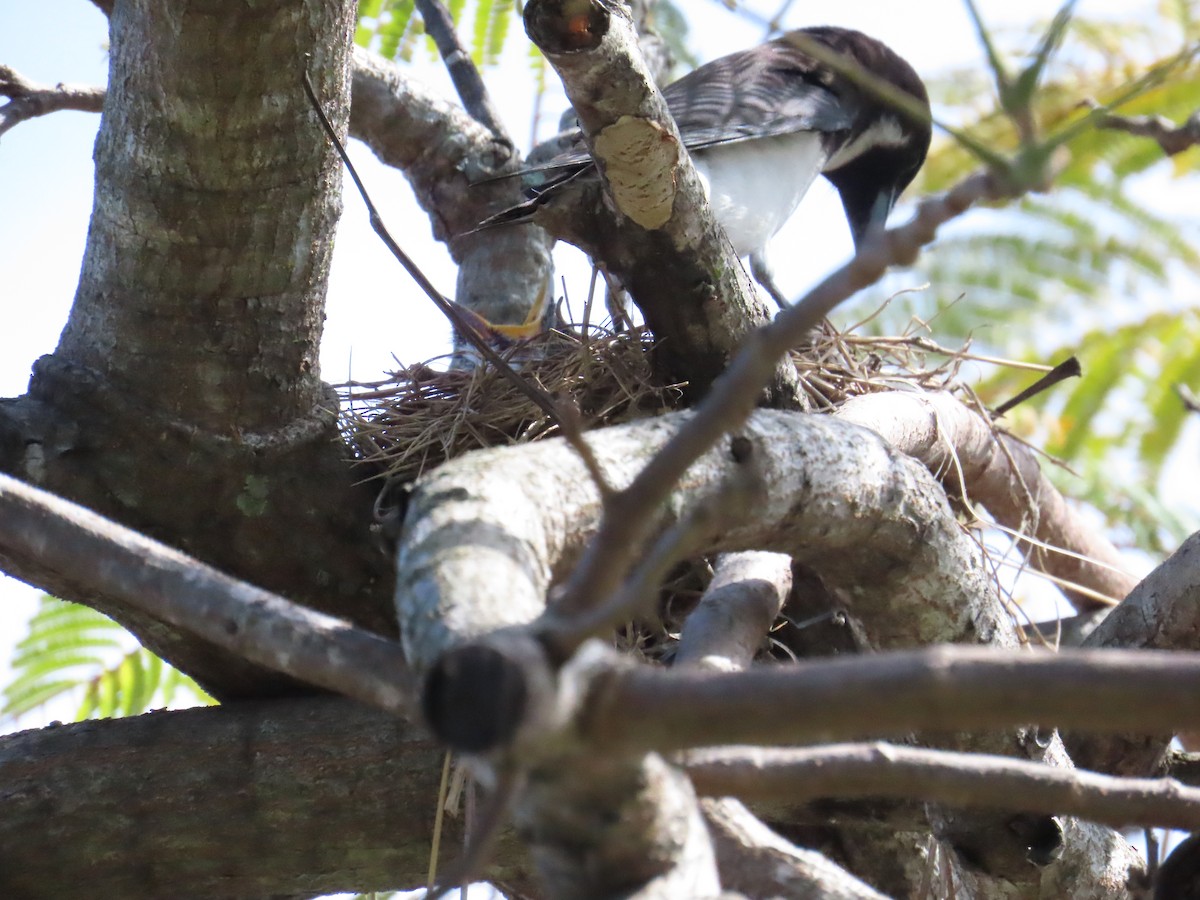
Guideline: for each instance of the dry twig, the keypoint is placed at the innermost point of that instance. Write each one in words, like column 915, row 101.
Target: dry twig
column 28, row 99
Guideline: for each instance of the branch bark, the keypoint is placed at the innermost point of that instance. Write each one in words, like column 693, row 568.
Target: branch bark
column 939, row 689
column 600, row 826
column 68, row 550
column 759, row 863
column 190, row 805
column 486, row 535
column 939, row 776
column 27, row 99
column 665, row 247
column 439, row 25
column 987, row 467
column 742, row 602
column 1162, row 612
column 1172, row 138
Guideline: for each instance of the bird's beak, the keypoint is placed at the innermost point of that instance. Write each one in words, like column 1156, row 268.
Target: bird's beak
column 875, row 220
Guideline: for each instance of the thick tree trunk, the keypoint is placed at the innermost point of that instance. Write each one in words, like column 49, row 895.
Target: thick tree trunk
column 184, row 398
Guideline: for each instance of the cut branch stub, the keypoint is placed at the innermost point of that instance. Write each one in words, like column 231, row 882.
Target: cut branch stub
column 565, row 26
column 635, row 154
column 475, row 696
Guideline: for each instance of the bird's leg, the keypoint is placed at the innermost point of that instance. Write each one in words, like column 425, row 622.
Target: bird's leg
column 761, row 270
column 617, row 301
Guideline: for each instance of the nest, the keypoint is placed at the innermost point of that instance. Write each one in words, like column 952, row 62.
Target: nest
column 420, row 416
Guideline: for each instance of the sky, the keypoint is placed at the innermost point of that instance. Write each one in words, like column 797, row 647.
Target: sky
column 374, row 315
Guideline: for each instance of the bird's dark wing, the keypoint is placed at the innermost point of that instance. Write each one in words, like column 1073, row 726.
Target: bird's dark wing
column 772, row 89
column 768, row 90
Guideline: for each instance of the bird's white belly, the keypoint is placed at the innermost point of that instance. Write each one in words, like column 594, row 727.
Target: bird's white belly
column 755, row 186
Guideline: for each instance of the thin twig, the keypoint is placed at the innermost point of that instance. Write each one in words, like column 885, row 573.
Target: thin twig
column 1068, row 368
column 28, row 100
column 467, row 82
column 629, row 517
column 1189, row 400
column 439, row 816
column 879, row 770
column 510, row 784
column 1171, row 137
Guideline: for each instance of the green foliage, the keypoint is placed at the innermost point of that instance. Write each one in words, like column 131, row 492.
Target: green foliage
column 1090, row 241
column 1088, row 268
column 393, row 28
column 71, row 649
column 671, row 23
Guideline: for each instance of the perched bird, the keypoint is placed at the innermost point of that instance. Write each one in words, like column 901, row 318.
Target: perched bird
column 761, row 124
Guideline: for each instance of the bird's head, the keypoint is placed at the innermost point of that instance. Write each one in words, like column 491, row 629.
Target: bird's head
column 885, row 147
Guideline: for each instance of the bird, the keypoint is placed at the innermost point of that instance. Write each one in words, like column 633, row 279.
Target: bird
column 761, row 124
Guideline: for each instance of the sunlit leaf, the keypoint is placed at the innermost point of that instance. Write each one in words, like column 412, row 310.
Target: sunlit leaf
column 73, row 651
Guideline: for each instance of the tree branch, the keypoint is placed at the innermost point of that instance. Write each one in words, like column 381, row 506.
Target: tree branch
column 662, row 241
column 51, row 542
column 1002, row 474
column 943, row 777
column 759, row 863
column 28, row 100
column 190, row 804
column 274, row 633
column 479, row 555
column 661, row 847
column 467, row 82
column 1172, row 138
column 939, row 689
column 730, row 624
column 1161, row 613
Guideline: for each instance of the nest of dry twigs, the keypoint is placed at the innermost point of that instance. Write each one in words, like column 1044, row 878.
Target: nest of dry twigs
column 419, row 416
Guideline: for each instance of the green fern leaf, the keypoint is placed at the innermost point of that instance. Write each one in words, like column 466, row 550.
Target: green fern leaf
column 71, row 649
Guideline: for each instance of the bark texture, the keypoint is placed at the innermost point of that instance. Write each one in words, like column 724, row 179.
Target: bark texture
column 248, row 800
column 184, row 398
